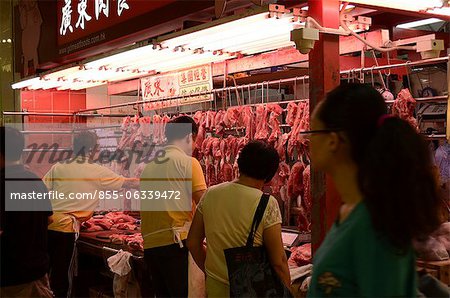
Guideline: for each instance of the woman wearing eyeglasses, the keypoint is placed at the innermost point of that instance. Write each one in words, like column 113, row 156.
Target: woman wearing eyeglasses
column 383, row 172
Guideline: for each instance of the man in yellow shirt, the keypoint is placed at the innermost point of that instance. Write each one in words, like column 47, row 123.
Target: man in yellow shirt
column 169, row 186
column 81, row 181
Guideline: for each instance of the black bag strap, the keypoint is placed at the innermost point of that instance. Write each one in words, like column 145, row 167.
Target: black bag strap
column 259, row 213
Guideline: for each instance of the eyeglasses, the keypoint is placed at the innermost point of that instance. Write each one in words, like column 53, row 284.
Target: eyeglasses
column 320, row 131
column 307, row 133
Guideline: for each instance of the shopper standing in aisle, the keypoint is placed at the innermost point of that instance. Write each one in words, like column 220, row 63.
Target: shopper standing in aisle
column 384, row 174
column 442, row 157
column 165, row 223
column 224, row 216
column 77, row 176
column 24, row 260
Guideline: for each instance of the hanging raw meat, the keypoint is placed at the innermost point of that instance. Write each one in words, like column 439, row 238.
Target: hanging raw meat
column 163, row 125
column 226, row 169
column 209, row 122
column 218, row 123
column 157, row 139
column 274, row 123
column 229, row 119
column 295, row 182
column 200, row 136
column 304, row 225
column 262, row 126
column 145, row 127
column 302, row 142
column 281, row 178
column 307, row 201
column 125, row 127
column 404, row 106
column 281, row 146
column 198, row 116
column 248, row 119
column 291, row 113
column 295, row 138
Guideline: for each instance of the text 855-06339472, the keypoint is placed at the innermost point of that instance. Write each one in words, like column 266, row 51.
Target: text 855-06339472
column 140, row 195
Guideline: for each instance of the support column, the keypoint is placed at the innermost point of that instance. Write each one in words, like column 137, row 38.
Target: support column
column 324, row 76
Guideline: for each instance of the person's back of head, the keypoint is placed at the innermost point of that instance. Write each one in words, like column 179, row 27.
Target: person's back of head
column 14, row 143
column 84, row 142
column 179, row 128
column 258, row 160
column 182, row 131
column 395, row 170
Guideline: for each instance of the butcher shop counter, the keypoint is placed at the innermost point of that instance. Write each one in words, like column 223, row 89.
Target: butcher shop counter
column 100, row 244
column 97, row 247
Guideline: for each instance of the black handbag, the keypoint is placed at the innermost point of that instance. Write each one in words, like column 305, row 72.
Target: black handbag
column 249, row 271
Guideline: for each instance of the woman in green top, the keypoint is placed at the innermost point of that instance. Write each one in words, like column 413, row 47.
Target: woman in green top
column 383, row 173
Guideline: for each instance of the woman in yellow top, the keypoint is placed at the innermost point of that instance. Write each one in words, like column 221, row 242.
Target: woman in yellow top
column 225, row 214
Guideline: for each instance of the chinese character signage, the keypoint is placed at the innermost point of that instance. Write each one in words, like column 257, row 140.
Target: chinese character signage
column 183, row 83
column 82, row 18
column 88, row 11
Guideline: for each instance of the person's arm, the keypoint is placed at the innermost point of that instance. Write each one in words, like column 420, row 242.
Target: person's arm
column 113, row 181
column 195, row 239
column 198, row 181
column 196, row 196
column 131, row 183
column 277, row 256
column 48, row 179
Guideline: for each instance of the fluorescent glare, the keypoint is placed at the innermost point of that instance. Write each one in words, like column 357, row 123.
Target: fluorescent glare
column 124, row 57
column 419, row 23
column 260, row 49
column 221, row 29
column 194, row 62
column 62, row 73
column 192, row 59
column 349, row 6
column 79, row 86
column 264, row 32
column 269, row 43
column 411, row 5
column 26, row 83
column 443, row 11
column 237, row 34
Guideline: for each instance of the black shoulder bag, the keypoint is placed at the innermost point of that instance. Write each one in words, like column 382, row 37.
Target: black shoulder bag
column 249, row 270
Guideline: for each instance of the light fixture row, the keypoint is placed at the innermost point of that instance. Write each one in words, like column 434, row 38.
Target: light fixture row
column 249, row 35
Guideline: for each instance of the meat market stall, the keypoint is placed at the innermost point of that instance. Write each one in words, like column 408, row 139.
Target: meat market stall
column 106, row 237
column 240, row 77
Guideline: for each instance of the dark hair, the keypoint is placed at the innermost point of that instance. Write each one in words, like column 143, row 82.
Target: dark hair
column 175, row 130
column 14, row 144
column 258, row 160
column 395, row 170
column 84, row 142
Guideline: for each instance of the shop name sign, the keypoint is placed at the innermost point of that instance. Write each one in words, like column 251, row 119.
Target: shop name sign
column 76, row 20
column 182, row 84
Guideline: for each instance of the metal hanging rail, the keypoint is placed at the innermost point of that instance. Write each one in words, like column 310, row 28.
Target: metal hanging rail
column 66, row 114
column 443, row 98
column 408, row 64
column 38, row 114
